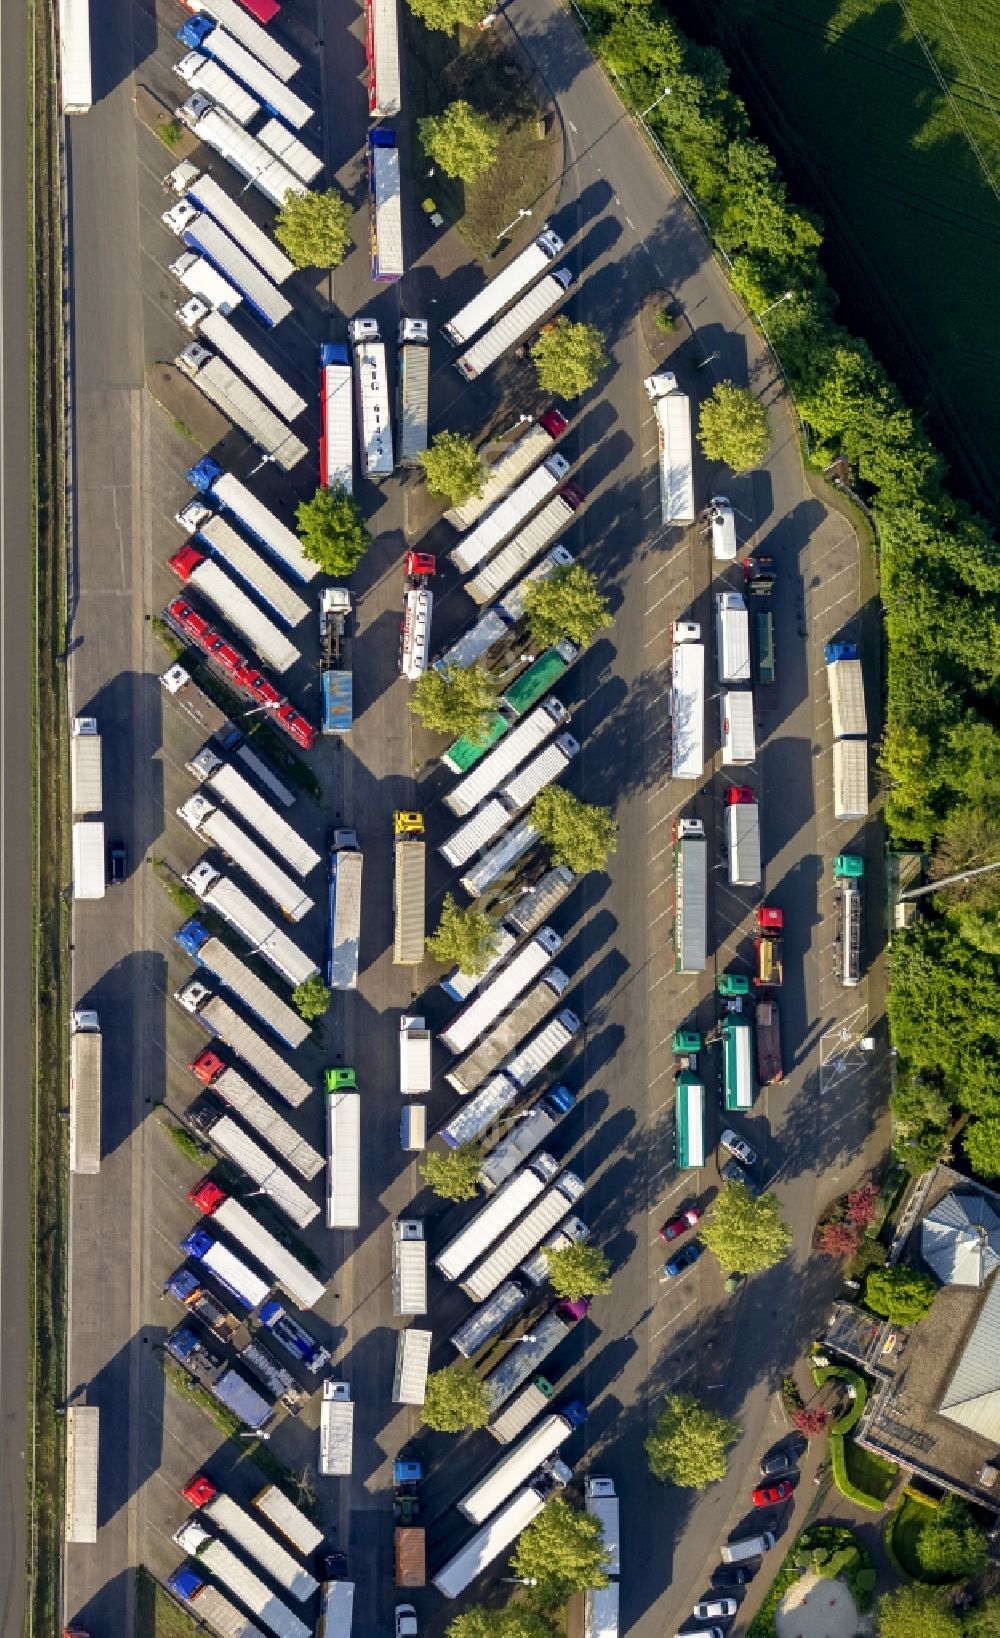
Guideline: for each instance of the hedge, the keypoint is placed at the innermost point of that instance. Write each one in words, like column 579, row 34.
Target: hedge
column 838, row 1461
column 824, row 1373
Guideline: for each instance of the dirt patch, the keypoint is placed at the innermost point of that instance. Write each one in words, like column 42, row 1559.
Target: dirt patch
column 818, row 1608
column 163, row 123
column 189, row 410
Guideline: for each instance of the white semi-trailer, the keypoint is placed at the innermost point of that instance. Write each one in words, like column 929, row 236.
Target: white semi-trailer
column 533, row 538
column 504, row 289
column 524, row 452
column 85, row 766
column 85, row 1061
column 205, row 193
column 223, row 1024
column 228, row 784
column 371, row 391
column 672, row 413
column 234, row 975
column 503, row 518
column 520, row 1241
column 518, row 1465
column 336, row 1431
column 241, row 405
column 224, row 545
column 266, row 173
column 409, row 1267
column 285, row 1269
column 520, row 321
column 504, row 1528
column 732, row 638
column 233, row 497
column 502, row 991
column 239, row 1096
column 200, row 73
column 496, row 1217
column 216, row 827
column 216, row 329
column 203, row 34
column 687, row 702
column 343, row 1152
column 254, row 925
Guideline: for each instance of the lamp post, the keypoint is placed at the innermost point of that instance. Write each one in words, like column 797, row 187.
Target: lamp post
column 667, row 91
column 522, row 213
column 772, row 305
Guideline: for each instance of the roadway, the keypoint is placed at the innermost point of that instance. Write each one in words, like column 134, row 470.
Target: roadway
column 17, row 1061
column 627, row 237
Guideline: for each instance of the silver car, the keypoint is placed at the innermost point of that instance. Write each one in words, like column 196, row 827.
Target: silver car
column 738, row 1146
column 713, row 1608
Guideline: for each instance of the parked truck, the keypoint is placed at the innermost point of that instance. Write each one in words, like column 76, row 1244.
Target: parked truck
column 768, row 946
column 343, row 1150
column 408, row 899
column 257, row 927
column 848, row 872
column 336, row 1431
column 239, row 673
column 767, row 1034
column 218, row 830
column 522, row 1460
column 507, row 1035
column 413, row 376
column 224, row 1384
column 336, row 681
column 531, row 539
column 511, row 800
column 371, row 392
column 208, row 290
column 521, row 1362
column 85, row 766
column 185, row 1286
column 742, row 837
column 344, row 929
column 235, row 499
column 521, row 1240
column 504, row 289
column 336, row 444
column 246, row 155
column 492, row 1317
column 491, row 770
column 496, row 1217
column 206, row 238
column 522, row 319
column 224, row 1564
column 525, row 1136
column 850, row 779
column 409, row 1267
column 847, row 690
column 209, row 1607
column 291, row 150
column 285, row 1269
column 202, row 192
column 207, row 577
column 259, row 998
column 234, row 1521
column 242, row 26
column 672, row 414
column 85, row 1059
column 732, row 638
column 572, row 1231
column 83, row 1432
column 739, row 743
column 89, row 880
column 216, row 330
column 197, row 707
column 291, row 1335
column 512, row 604
column 687, row 701
column 524, row 451
column 204, row 35
column 495, row 997
column 502, row 519
column 415, row 631
column 289, row 1521
column 230, row 1140
column 600, row 1604
column 414, row 1056
column 500, row 859
column 239, row 1281
column 241, row 405
column 533, row 684
column 690, row 896
column 502, row 1530
column 218, row 541
column 228, row 784
column 522, row 1409
column 477, row 1115
column 413, row 1352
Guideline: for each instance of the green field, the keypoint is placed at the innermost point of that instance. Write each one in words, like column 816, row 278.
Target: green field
column 886, row 120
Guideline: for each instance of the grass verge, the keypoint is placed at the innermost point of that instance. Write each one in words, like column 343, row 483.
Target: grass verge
column 157, row 1614
column 901, row 1533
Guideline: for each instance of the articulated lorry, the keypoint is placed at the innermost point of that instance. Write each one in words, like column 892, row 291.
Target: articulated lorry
column 205, row 576
column 226, row 1515
column 532, row 538
column 233, row 497
column 343, row 1150
column 672, row 414
column 223, row 545
column 506, row 1036
column 413, row 364
column 742, row 837
column 408, row 891
column 336, row 681
column 524, row 451
column 224, row 1384
column 218, row 830
column 414, row 1056
column 233, row 974
column 272, row 92
column 257, row 927
column 521, row 1461
column 504, row 289
column 285, row 1269
column 496, row 1217
column 248, row 156
column 86, row 781
column 850, row 779
column 239, row 673
column 200, row 191
column 230, row 1140
column 409, row 1267
column 732, row 638
column 526, row 1135
column 534, row 683
column 521, row 1240
column 233, row 1573
column 371, row 392
column 847, row 690
column 500, row 522
column 336, row 1431
column 186, row 1288
column 228, row 784
column 528, row 1353
column 522, row 319
column 292, row 152
column 690, row 896
column 241, row 405
column 687, row 701
column 500, row 860
column 344, row 928
column 205, row 237
column 289, row 1521
column 89, row 880
column 83, row 1429
column 512, row 799
column 494, row 998
column 502, row 1530
column 487, row 1105
column 223, row 1024
column 336, row 444
column 242, row 26
column 85, row 1060
column 216, row 330
column 497, row 765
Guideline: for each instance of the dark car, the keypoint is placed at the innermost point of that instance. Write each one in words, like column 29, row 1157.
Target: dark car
column 333, row 1566
column 733, row 1172
column 682, row 1260
column 732, row 1575
column 779, row 1462
column 759, row 573
column 768, row 1495
column 117, row 861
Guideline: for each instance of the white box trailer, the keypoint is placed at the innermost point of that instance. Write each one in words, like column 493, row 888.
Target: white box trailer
column 490, row 1318
column 336, row 1610
column 226, row 339
column 476, row 832
column 520, row 321
column 572, row 1231
column 241, row 1580
column 516, row 1468
column 336, row 1431
column 234, row 497
column 414, row 368
column 414, row 1056
column 240, row 1097
column 413, row 1127
column 415, row 645
column 75, row 74
column 85, row 766
column 241, row 405
column 346, row 865
column 85, row 1063
column 504, row 288
column 371, row 394
column 274, row 93
column 690, row 896
column 600, row 1611
column 545, row 1215
column 382, row 50
column 495, row 863
column 83, row 1433
column 473, row 644
column 246, row 155
column 234, row 1521
column 742, row 838
column 225, row 1025
column 291, row 150
column 207, row 285
column 234, row 975
column 409, row 1267
column 847, row 690
column 285, row 1269
column 497, row 765
column 459, row 986
column 527, row 1134
column 503, row 473
column 528, row 1063
column 506, row 515
column 480, row 1112
column 602, row 1503
column 469, row 1074
column 496, row 1217
column 216, row 827
column 225, row 545
column 850, row 779
column 289, row 1520
column 548, row 765
column 236, row 1145
column 732, row 638
column 512, row 604
column 502, row 991
column 413, row 1352
column 88, row 859
column 229, row 785
column 739, row 743
column 200, row 73
column 502, row 1530
column 204, row 192
column 533, row 538
column 254, row 925
column 672, row 414
column 528, row 1404
column 336, row 444
column 343, row 1148
column 249, row 32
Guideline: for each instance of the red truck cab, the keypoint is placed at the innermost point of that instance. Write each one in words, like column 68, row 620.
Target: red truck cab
column 199, row 1490
column 207, row 1196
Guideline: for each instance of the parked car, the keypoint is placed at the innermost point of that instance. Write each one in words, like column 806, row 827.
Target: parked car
column 779, row 1461
column 767, row 1495
column 680, row 1225
column 738, row 1146
column 682, row 1260
column 731, row 1575
column 117, row 861
column 333, row 1567
column 732, row 1172
column 712, row 1608
column 759, row 572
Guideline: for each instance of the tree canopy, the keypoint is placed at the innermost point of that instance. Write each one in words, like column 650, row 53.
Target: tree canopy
column 446, row 15
column 569, row 357
column 460, row 700
column 465, row 937
column 910, row 1611
column 568, row 604
column 733, row 427
column 452, row 1174
column 688, row 1443
column 464, row 142
column 576, row 833
column 579, row 1271
column 332, row 530
column 983, row 1621
column 563, row 1550
column 903, row 1295
column 745, row 1232
column 981, row 1142
column 314, row 229
column 452, row 467
column 311, row 997
column 951, row 1546
column 515, row 1621
column 456, row 1399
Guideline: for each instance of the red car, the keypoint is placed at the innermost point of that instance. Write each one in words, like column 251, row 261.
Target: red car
column 680, row 1225
column 767, row 1494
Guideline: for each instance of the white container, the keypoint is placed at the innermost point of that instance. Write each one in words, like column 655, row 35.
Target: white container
column 517, row 459
column 515, row 1468
column 270, row 383
column 205, row 192
column 218, row 829
column 519, row 742
column 229, row 785
column 285, row 1269
column 221, row 590
column 504, row 289
column 204, row 75
column 289, row 1520
column 282, row 542
column 343, row 1148
column 503, row 518
column 409, row 1266
column 850, row 779
column 739, row 745
column 265, row 1120
column 85, row 1063
column 546, row 1214
column 83, row 1432
column 413, row 1127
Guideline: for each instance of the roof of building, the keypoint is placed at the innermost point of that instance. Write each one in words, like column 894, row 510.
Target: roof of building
column 960, row 1239
column 972, row 1397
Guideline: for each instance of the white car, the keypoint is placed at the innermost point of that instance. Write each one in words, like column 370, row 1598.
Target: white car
column 406, row 1621
column 722, row 524
column 714, row 1607
column 738, row 1146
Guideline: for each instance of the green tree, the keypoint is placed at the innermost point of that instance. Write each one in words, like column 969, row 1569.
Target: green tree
column 983, row 1621
column 452, row 467
column 569, row 357
column 332, row 530
column 456, row 1399
column 452, row 1173
column 912, row 1611
column 311, row 997
column 314, row 229
column 954, row 1041
column 903, row 1295
column 465, row 937
column 747, row 1234
column 981, row 1142
column 576, row 833
column 568, row 604
column 688, row 1443
column 460, row 700
column 579, row 1271
column 462, row 141
column 515, row 1621
column 734, row 428
column 921, row 1115
column 447, row 15
column 951, row 1546
column 563, row 1551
